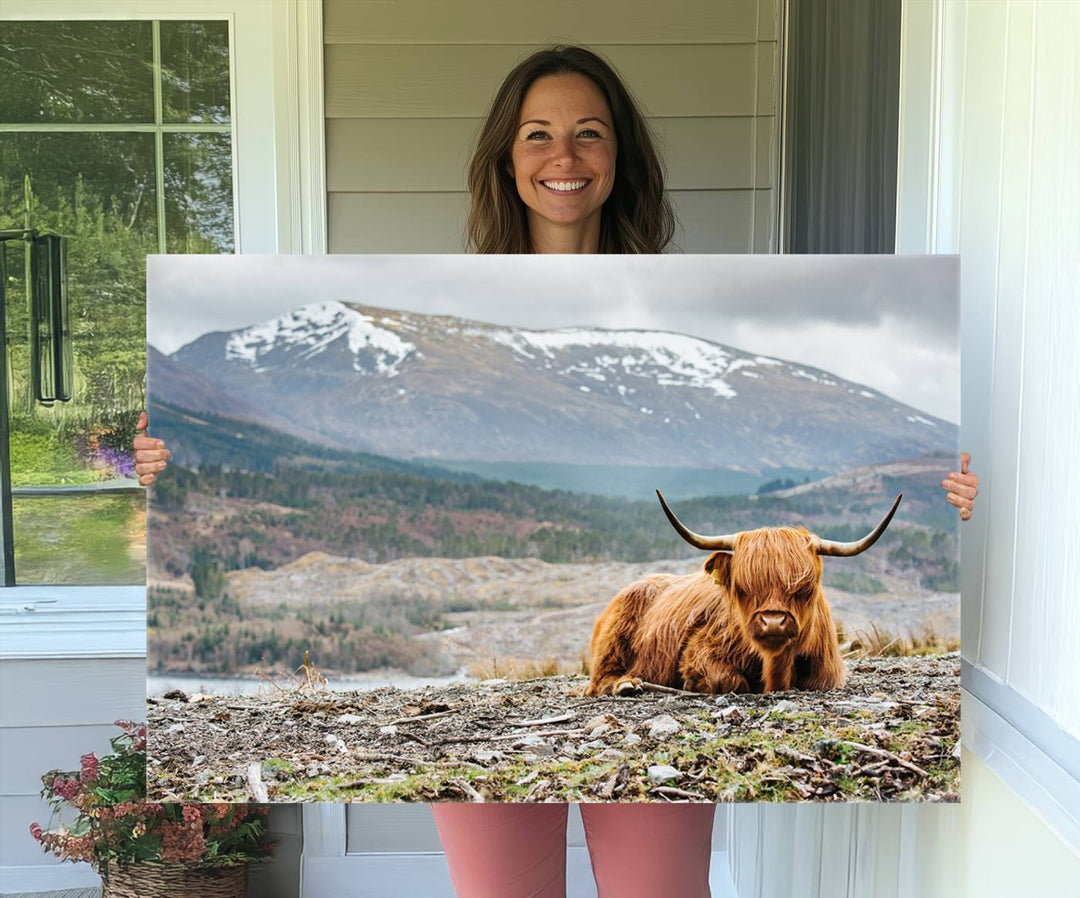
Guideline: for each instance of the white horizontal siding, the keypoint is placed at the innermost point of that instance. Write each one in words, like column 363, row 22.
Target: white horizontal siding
column 381, row 155
column 518, row 22
column 407, row 85
column 53, row 712
column 408, row 81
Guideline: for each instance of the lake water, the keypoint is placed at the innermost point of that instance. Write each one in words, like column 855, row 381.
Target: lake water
column 191, row 683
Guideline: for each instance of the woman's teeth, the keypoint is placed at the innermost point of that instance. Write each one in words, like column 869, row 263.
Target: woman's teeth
column 564, row 186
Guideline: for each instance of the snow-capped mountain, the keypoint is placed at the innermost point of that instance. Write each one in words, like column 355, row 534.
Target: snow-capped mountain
column 411, row 385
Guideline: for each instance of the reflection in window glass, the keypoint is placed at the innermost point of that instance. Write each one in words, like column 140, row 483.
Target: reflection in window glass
column 195, row 71
column 63, row 72
column 96, row 182
column 198, row 193
column 84, row 540
column 97, row 189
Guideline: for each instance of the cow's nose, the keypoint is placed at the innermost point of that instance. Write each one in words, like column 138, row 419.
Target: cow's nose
column 772, row 623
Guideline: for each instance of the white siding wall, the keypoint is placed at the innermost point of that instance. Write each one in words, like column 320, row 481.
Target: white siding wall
column 407, row 85
column 53, row 712
column 1018, row 199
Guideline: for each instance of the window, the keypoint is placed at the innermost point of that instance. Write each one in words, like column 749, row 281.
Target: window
column 118, row 136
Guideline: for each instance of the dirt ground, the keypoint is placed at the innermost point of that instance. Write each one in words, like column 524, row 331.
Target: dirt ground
column 891, row 734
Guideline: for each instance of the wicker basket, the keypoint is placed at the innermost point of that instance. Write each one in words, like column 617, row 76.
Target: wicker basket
column 149, row 880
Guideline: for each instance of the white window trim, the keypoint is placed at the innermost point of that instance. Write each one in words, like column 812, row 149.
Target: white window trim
column 277, row 94
column 73, row 622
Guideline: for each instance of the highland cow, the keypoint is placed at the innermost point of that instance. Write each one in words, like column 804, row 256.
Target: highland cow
column 754, row 620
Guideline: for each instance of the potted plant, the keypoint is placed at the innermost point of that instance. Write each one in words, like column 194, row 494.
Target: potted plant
column 142, row 847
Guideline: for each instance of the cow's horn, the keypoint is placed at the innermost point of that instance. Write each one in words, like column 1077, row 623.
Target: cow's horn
column 829, row 547
column 696, row 539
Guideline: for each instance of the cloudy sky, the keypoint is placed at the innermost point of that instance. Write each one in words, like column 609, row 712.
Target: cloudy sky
column 890, row 322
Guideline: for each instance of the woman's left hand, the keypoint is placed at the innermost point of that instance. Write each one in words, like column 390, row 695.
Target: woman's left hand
column 962, row 487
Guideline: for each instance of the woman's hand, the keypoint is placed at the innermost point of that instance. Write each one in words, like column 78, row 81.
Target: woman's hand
column 962, row 487
column 150, row 454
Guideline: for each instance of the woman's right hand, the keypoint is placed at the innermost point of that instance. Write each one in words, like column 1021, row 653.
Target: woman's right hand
column 150, row 454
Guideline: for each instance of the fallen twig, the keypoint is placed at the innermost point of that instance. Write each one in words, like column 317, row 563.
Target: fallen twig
column 255, row 783
column 882, row 753
column 513, row 737
column 422, row 717
column 667, row 690
column 540, row 720
column 467, row 788
column 676, row 793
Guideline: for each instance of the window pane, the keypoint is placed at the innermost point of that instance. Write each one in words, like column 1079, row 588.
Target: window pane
column 98, row 191
column 81, row 540
column 195, row 71
column 198, row 193
column 76, row 72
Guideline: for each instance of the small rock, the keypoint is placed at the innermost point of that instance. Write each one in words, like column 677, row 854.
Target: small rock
column 541, row 751
column 595, row 743
column 529, row 739
column 631, row 739
column 389, row 730
column 663, row 727
column 350, row 718
column 528, row 778
column 175, row 728
column 602, row 723
column 198, row 759
column 721, row 700
column 611, row 754
column 785, row 707
column 488, row 757
column 731, row 715
column 663, row 773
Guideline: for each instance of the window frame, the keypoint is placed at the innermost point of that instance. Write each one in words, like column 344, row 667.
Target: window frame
column 279, row 194
column 275, row 91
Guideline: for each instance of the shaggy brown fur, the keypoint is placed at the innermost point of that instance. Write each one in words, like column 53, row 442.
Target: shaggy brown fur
column 754, row 620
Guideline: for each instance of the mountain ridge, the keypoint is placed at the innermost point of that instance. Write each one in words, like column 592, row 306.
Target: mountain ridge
column 408, row 385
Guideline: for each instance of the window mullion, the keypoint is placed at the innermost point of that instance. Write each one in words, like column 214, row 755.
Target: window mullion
column 159, row 137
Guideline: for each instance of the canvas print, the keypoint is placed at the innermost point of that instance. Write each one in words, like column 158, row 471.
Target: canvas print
column 657, row 528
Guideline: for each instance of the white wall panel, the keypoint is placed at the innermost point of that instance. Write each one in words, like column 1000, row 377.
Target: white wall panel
column 982, row 85
column 1045, row 635
column 1011, row 273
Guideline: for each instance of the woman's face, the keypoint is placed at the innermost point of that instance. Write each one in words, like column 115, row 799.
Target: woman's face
column 563, row 155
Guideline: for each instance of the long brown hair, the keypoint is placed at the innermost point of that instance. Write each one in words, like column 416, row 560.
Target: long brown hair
column 636, row 218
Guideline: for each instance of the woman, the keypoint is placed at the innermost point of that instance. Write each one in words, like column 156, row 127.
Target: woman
column 565, row 164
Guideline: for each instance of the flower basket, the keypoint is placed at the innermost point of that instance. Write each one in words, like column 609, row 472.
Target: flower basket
column 148, row 849
column 172, row 880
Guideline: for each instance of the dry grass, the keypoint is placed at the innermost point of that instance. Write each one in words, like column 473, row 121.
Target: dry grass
column 877, row 642
column 525, row 668
column 306, row 678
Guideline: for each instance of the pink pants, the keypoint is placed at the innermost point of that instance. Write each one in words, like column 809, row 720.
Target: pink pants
column 519, row 851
